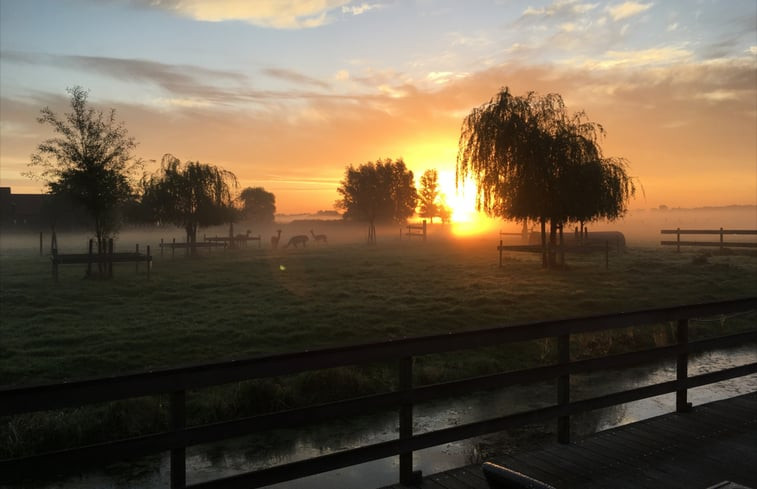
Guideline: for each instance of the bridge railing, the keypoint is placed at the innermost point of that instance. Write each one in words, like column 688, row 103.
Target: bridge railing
column 177, row 381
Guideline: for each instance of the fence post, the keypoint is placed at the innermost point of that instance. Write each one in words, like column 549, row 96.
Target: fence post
column 40, row 243
column 500, row 253
column 178, row 454
column 682, row 364
column 110, row 257
column 678, row 240
column 563, row 388
column 149, row 261
column 54, row 253
column 721, row 240
column 136, row 261
column 89, row 258
column 407, row 475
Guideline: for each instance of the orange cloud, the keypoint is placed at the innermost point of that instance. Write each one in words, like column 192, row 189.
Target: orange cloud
column 688, row 130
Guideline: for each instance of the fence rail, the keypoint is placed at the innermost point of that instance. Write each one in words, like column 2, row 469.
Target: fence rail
column 176, row 381
column 704, row 232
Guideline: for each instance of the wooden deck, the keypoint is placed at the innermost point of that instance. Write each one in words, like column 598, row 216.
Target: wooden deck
column 713, row 443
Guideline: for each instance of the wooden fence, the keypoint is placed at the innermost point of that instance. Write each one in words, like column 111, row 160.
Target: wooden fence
column 103, row 258
column 176, row 382
column 720, row 232
column 416, row 231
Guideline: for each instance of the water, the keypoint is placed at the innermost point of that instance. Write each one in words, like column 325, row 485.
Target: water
column 241, row 455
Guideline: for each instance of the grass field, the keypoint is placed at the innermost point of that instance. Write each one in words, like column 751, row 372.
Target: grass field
column 252, row 301
column 248, row 302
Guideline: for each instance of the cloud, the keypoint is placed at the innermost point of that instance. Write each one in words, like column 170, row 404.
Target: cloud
column 185, row 80
column 665, row 118
column 278, row 14
column 295, row 77
column 560, row 9
column 627, row 9
column 360, row 9
column 636, row 58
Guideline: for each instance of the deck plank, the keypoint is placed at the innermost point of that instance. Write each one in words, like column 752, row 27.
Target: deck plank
column 713, row 443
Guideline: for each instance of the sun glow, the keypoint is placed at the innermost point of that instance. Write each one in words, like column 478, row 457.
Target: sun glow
column 461, row 199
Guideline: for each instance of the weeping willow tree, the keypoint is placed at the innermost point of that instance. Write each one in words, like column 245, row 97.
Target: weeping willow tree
column 532, row 159
column 189, row 195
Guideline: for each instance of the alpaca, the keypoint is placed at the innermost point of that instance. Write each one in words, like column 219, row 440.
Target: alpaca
column 297, row 240
column 319, row 237
column 242, row 238
column 275, row 239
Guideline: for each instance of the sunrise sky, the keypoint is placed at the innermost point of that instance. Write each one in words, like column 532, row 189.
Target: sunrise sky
column 286, row 94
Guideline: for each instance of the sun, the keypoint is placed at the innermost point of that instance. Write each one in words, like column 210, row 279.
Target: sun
column 461, row 200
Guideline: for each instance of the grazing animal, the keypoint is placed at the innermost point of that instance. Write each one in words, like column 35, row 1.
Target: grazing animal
column 319, row 237
column 242, row 238
column 275, row 239
column 297, row 240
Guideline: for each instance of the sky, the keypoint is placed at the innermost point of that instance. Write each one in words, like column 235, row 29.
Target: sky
column 286, row 94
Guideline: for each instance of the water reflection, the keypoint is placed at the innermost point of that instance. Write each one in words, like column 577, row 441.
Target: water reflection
column 253, row 452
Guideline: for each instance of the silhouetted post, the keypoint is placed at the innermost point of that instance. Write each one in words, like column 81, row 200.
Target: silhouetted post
column 678, row 240
column 563, row 388
column 110, row 257
column 89, row 258
column 407, row 475
column 721, row 240
column 682, row 364
column 136, row 261
column 149, row 262
column 178, row 455
column 161, row 247
column 424, row 230
column 40, row 243
column 173, row 247
column 500, row 253
column 54, row 253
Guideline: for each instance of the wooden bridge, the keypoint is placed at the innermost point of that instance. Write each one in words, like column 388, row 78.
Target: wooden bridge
column 713, row 446
column 175, row 383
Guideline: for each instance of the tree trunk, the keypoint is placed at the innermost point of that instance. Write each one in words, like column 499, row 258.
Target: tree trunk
column 562, row 246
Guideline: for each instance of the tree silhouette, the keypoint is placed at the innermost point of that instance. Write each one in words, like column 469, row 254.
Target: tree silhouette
column 376, row 192
column 190, row 195
column 533, row 160
column 429, row 194
column 258, row 205
column 89, row 162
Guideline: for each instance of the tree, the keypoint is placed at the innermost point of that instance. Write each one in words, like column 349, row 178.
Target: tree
column 89, row 162
column 381, row 191
column 190, row 195
column 429, row 194
column 533, row 160
column 258, row 205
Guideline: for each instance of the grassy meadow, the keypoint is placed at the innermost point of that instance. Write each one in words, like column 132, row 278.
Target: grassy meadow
column 252, row 301
column 247, row 302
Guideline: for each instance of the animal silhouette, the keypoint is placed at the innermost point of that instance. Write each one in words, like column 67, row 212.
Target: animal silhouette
column 242, row 238
column 297, row 240
column 319, row 238
column 275, row 239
